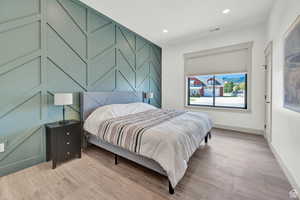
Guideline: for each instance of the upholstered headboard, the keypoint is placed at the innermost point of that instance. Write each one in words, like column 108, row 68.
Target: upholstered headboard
column 91, row 100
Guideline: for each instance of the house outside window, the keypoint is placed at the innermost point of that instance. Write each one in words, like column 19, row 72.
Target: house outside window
column 221, row 90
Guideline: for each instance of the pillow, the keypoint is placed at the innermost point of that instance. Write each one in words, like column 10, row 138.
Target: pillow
column 110, row 111
column 131, row 108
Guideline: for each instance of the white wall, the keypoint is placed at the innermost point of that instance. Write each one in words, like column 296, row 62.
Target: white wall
column 173, row 76
column 286, row 123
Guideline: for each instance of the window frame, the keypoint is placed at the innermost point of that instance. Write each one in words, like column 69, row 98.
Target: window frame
column 218, row 50
column 188, row 104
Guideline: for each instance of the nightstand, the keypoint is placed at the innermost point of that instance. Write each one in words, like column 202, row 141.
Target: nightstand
column 63, row 141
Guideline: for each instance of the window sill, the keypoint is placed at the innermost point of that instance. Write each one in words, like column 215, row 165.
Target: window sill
column 241, row 110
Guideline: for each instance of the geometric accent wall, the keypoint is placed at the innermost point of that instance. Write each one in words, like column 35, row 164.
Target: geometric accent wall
column 49, row 46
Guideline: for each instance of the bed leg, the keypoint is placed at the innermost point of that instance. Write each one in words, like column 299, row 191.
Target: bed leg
column 85, row 144
column 116, row 159
column 209, row 135
column 171, row 189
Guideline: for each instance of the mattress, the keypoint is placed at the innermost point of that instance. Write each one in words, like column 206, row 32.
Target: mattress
column 170, row 143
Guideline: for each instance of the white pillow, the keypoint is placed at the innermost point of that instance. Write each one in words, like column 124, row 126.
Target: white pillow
column 102, row 113
column 131, row 108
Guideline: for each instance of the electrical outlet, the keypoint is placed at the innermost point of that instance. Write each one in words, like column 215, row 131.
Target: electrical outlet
column 293, row 194
column 2, row 147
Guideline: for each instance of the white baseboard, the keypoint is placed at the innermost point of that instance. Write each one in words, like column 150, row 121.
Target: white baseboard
column 240, row 129
column 285, row 170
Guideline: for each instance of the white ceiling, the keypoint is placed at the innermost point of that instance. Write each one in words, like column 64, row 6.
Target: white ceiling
column 182, row 18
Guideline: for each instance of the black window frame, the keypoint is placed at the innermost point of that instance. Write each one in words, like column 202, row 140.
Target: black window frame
column 214, row 96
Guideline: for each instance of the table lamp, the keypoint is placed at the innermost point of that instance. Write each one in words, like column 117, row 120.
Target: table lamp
column 63, row 99
column 149, row 95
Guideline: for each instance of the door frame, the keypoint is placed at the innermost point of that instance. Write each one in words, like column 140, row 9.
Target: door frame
column 269, row 52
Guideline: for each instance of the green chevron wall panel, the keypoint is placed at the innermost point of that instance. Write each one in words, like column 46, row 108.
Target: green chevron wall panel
column 65, row 59
column 101, row 39
column 126, row 47
column 106, row 83
column 76, row 12
column 142, row 74
column 49, row 46
column 66, row 27
column 25, row 42
column 14, row 9
column 96, row 21
column 107, row 63
column 30, row 73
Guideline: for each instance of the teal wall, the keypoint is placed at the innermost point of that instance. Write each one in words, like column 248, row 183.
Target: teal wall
column 49, row 46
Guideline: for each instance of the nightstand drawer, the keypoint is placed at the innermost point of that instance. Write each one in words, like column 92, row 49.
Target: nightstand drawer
column 65, row 136
column 68, row 155
column 70, row 130
column 67, row 152
column 70, row 134
column 69, row 144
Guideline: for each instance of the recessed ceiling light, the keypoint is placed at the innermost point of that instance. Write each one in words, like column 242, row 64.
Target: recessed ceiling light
column 215, row 29
column 165, row 31
column 226, row 11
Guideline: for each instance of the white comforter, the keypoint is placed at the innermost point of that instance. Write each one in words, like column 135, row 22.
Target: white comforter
column 171, row 143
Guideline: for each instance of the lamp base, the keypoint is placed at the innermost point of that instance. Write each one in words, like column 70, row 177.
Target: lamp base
column 64, row 122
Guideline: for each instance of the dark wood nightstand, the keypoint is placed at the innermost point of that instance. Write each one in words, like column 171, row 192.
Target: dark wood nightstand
column 63, row 141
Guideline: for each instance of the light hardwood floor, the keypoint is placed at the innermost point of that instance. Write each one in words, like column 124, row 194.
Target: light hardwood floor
column 234, row 166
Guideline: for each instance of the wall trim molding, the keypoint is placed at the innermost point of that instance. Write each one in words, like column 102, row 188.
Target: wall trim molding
column 73, row 48
column 240, row 129
column 18, row 141
column 284, row 168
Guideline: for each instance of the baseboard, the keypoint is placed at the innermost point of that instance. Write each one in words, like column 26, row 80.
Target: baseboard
column 240, row 129
column 285, row 170
column 18, row 166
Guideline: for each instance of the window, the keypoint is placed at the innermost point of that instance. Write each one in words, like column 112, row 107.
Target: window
column 219, row 77
column 218, row 90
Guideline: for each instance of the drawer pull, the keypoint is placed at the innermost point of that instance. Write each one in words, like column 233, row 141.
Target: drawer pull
column 68, row 133
column 68, row 143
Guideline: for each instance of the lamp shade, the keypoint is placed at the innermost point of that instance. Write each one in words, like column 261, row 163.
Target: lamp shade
column 149, row 95
column 61, row 99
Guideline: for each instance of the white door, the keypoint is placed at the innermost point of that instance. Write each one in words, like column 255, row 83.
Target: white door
column 268, row 92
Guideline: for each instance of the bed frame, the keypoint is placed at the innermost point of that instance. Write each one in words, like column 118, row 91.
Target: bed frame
column 92, row 100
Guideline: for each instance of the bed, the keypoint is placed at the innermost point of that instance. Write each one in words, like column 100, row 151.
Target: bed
column 159, row 139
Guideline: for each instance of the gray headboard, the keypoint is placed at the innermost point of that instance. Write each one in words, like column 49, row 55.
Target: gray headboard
column 91, row 100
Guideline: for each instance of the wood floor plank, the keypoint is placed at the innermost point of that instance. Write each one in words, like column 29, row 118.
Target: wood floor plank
column 233, row 166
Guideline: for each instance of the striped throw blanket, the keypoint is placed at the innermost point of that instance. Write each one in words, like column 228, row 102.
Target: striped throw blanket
column 127, row 131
